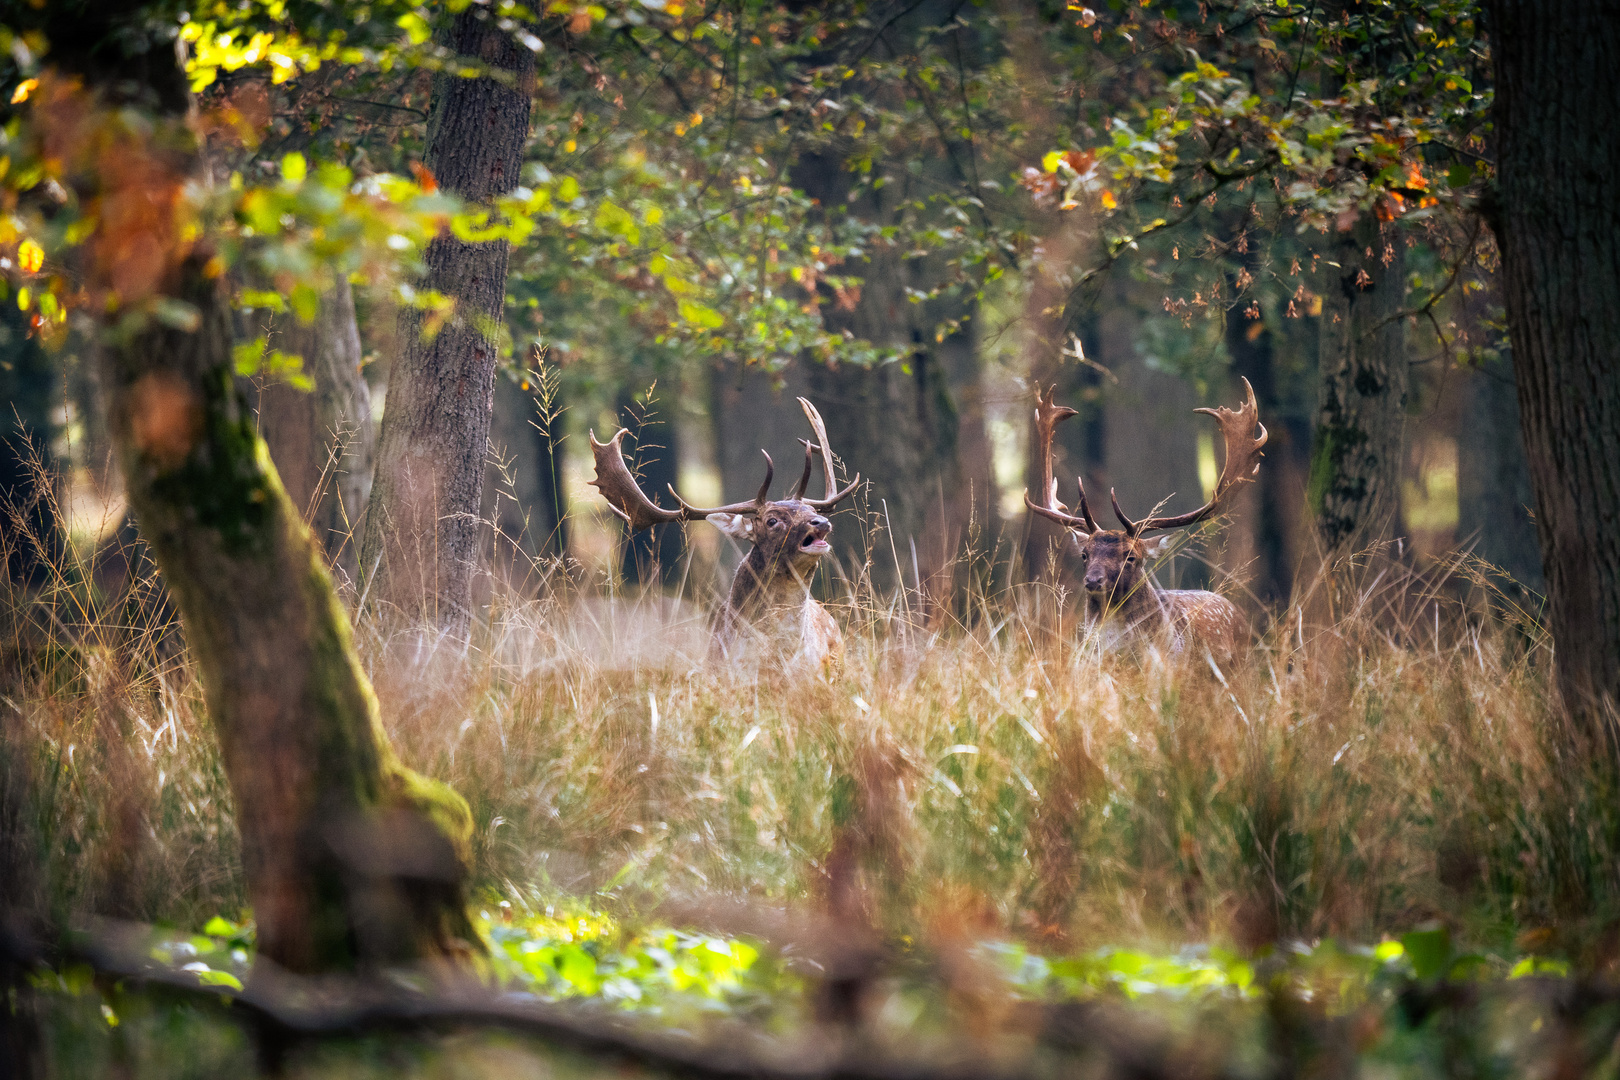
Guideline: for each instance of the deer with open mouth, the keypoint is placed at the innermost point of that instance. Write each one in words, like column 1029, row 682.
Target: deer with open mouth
column 769, row 602
column 1123, row 602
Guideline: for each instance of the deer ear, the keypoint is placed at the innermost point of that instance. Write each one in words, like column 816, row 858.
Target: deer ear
column 736, row 526
column 1158, row 545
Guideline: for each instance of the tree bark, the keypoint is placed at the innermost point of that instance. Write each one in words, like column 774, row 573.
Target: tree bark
column 1493, row 478
column 1355, row 488
column 423, row 524
column 652, row 555
column 1557, row 222
column 322, row 440
column 350, row 857
column 1271, row 506
column 899, row 425
column 30, row 534
column 532, row 513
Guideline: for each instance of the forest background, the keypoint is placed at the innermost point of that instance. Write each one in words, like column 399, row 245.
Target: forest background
column 379, row 268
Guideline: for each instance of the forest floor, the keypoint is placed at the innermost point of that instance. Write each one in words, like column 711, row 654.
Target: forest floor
column 1373, row 825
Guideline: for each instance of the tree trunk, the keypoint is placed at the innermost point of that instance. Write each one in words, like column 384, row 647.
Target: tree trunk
column 899, row 424
column 1356, row 458
column 1558, row 227
column 528, row 505
column 423, row 525
column 30, row 535
column 652, row 555
column 322, row 440
column 1272, row 505
column 350, row 857
column 1078, row 446
column 1493, row 478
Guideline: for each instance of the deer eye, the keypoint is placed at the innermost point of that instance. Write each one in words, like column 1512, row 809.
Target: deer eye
column 1130, row 558
column 772, row 523
column 1085, row 556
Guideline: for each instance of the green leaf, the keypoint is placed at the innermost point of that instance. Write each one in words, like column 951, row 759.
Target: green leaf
column 248, row 356
column 1429, row 950
column 262, row 298
column 415, row 27
column 306, row 302
column 617, row 221
column 701, row 315
column 218, row 978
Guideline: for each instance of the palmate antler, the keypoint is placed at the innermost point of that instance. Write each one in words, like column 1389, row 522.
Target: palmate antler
column 1242, row 462
column 1048, row 415
column 631, row 504
column 639, row 511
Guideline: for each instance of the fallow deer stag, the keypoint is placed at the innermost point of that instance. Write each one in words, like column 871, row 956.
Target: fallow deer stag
column 1122, row 599
column 769, row 601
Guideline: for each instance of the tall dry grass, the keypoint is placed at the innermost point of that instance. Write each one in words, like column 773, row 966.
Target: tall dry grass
column 1386, row 755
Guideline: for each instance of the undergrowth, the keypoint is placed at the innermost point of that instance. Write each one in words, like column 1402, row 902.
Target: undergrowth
column 1386, row 756
column 1378, row 794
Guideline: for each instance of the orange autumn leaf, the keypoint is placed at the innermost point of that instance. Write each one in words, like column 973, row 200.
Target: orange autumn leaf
column 424, row 177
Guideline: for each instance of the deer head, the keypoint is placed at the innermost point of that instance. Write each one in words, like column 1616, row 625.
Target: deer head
column 1116, row 559
column 788, row 536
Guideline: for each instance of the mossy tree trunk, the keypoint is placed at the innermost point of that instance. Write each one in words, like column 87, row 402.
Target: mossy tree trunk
column 1557, row 221
column 322, row 440
column 350, row 857
column 423, row 524
column 1354, row 489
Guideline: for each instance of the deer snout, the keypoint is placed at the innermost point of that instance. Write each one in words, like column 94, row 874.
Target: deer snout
column 1095, row 582
column 815, row 540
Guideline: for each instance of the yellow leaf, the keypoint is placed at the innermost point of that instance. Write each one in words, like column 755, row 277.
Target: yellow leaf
column 1108, row 200
column 30, row 257
column 24, row 88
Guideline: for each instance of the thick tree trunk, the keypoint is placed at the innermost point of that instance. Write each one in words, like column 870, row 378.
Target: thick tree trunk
column 1493, row 478
column 1355, row 490
column 350, row 857
column 322, row 440
column 423, row 525
column 1558, row 227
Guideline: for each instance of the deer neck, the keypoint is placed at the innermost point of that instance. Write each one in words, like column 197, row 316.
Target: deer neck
column 1144, row 606
column 763, row 584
